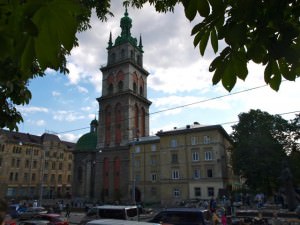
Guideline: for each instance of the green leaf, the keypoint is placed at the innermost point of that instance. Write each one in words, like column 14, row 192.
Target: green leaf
column 214, row 39
column 218, row 75
column 28, row 56
column 203, row 43
column 190, row 9
column 229, row 78
column 203, row 8
column 215, row 64
column 272, row 75
column 196, row 28
column 197, row 39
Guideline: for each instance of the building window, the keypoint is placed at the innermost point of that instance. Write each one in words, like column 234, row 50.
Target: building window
column 11, row 176
column 197, row 192
column 206, row 139
column 208, row 155
column 1, row 162
column 153, row 148
column 137, row 149
column 60, row 166
column 193, row 140
column 153, row 160
column 120, row 85
column 45, row 179
column 110, row 89
column 175, row 174
column 33, row 177
column 52, row 178
column 25, row 177
column 53, row 165
column 176, row 192
column 196, row 173
column 153, row 177
column 195, row 156
column 59, row 178
column 18, row 163
column 69, row 178
column 174, row 158
column 134, row 87
column 173, row 143
column 211, row 191
column 209, row 173
column 34, row 164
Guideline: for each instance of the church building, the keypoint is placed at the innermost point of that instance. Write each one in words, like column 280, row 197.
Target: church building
column 101, row 170
column 118, row 160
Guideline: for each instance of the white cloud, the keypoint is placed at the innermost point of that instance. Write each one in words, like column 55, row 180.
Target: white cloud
column 68, row 116
column 82, row 90
column 32, row 109
column 56, row 93
column 40, row 122
column 70, row 137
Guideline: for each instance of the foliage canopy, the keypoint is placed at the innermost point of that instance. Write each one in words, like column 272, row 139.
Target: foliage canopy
column 34, row 38
column 261, row 146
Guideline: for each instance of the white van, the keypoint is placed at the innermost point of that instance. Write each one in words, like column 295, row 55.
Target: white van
column 119, row 222
column 121, row 212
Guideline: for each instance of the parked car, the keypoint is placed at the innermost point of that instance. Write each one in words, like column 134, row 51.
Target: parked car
column 9, row 221
column 55, row 219
column 122, row 212
column 34, row 222
column 15, row 210
column 182, row 216
column 119, row 222
column 32, row 212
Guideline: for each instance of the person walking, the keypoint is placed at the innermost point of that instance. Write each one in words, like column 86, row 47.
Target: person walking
column 224, row 219
column 68, row 210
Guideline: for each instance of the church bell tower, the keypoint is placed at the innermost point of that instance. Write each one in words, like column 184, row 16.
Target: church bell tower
column 123, row 106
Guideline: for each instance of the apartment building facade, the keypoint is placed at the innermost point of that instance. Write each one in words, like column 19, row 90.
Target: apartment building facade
column 184, row 163
column 34, row 167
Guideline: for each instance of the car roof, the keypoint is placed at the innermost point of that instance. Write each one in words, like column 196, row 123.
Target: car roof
column 184, row 210
column 118, row 222
column 115, row 207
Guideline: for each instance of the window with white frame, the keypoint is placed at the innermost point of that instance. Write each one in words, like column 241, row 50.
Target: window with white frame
column 210, row 191
column 137, row 149
column 196, row 173
column 194, row 140
column 174, row 158
column 206, row 139
column 208, row 155
column 173, row 143
column 153, row 177
column 175, row 174
column 153, row 160
column 197, row 191
column 137, row 162
column 153, row 148
column 176, row 192
column 195, row 156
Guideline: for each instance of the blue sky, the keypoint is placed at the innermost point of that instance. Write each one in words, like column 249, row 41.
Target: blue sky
column 65, row 104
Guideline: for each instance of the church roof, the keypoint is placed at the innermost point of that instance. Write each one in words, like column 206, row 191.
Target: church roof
column 88, row 141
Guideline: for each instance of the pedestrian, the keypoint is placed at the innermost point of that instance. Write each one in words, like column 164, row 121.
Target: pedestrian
column 68, row 210
column 224, row 219
column 3, row 211
column 215, row 219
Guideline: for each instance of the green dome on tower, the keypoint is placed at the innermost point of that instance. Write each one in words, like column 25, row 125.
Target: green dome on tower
column 88, row 141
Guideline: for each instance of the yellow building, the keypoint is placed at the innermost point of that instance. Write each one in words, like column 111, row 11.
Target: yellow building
column 29, row 162
column 184, row 163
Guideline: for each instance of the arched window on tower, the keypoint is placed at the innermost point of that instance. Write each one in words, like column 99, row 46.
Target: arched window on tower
column 136, row 121
column 141, row 83
column 105, row 176
column 117, row 168
column 131, row 54
column 122, row 53
column 110, row 89
column 107, row 125
column 139, row 60
column 118, row 124
column 134, row 87
column 143, row 122
column 120, row 86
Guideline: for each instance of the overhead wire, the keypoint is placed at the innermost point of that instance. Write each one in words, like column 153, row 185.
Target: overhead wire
column 190, row 104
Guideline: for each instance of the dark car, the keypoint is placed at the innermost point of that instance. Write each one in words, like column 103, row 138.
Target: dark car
column 181, row 216
column 32, row 212
column 53, row 218
column 15, row 210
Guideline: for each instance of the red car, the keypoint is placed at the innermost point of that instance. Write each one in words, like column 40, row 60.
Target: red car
column 55, row 219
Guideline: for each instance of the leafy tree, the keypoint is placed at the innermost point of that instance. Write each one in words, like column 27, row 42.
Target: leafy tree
column 259, row 149
column 263, row 31
column 36, row 35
